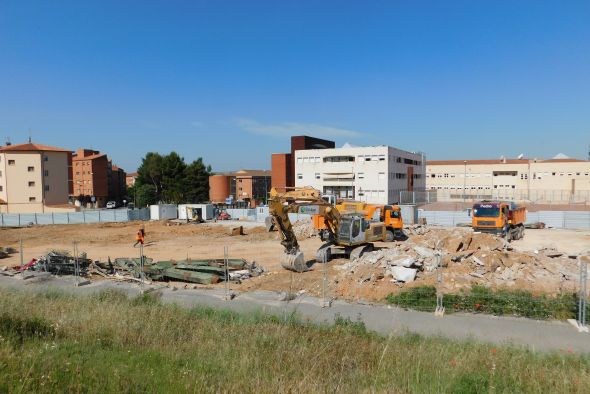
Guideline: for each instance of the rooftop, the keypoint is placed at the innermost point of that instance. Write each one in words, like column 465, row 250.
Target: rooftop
column 32, row 147
column 246, row 173
column 499, row 161
column 91, row 157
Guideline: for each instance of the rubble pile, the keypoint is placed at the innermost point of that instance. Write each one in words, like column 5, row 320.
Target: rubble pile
column 304, row 229
column 4, row 252
column 465, row 258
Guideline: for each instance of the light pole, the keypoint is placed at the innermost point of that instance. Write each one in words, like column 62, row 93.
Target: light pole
column 464, row 181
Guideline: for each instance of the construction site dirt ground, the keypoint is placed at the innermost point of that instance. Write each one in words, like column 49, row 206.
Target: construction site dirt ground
column 172, row 241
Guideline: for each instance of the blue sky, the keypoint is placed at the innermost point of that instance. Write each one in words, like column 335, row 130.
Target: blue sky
column 230, row 81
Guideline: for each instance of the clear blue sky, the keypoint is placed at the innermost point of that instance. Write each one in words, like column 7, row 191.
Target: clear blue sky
column 231, row 80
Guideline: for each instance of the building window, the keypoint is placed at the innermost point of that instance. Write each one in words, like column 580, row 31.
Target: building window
column 381, row 176
column 46, row 172
column 361, row 175
column 317, row 175
column 46, row 188
column 45, row 158
column 31, row 183
column 10, row 162
column 1, row 188
column 32, row 199
column 299, row 176
column 30, row 169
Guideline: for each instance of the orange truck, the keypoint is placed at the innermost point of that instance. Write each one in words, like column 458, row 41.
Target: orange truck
column 499, row 217
column 389, row 215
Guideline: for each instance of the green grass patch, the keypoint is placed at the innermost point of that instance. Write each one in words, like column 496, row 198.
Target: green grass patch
column 111, row 343
column 481, row 299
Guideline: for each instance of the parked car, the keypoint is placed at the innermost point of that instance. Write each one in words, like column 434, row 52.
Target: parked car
column 111, row 204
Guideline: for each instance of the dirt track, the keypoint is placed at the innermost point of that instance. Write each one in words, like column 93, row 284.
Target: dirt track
column 165, row 242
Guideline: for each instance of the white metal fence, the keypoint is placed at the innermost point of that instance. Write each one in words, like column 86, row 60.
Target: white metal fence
column 557, row 197
column 85, row 216
column 579, row 220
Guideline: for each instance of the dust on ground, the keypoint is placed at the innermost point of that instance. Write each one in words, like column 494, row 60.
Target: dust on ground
column 468, row 258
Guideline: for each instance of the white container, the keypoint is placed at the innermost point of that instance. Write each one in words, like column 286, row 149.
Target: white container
column 163, row 211
column 187, row 211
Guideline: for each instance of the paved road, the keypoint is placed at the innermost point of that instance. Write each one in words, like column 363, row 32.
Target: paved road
column 535, row 335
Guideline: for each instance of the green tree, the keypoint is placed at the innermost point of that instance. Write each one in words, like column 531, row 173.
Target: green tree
column 145, row 195
column 150, row 172
column 197, row 182
column 173, row 168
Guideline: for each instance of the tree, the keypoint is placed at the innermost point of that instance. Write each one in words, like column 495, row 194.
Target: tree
column 197, row 181
column 173, row 168
column 168, row 179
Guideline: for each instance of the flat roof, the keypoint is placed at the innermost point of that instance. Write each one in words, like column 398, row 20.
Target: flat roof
column 499, row 161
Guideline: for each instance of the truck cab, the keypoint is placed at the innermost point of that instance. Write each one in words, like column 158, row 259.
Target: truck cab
column 499, row 217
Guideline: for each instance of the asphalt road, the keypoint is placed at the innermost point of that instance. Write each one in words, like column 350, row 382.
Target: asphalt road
column 532, row 334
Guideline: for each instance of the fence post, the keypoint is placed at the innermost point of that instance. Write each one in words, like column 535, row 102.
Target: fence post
column 52, row 218
column 68, row 217
column 84, row 216
column 582, row 260
column 440, row 309
column 99, row 215
column 18, row 219
column 35, row 218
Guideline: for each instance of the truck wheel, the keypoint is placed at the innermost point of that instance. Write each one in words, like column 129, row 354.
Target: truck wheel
column 389, row 236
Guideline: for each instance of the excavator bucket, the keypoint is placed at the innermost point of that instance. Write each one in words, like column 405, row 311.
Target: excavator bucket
column 294, row 262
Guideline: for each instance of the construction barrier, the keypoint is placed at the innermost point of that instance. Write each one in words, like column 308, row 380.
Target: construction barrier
column 85, row 216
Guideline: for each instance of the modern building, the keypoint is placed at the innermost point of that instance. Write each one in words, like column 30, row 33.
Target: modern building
column 34, row 178
column 560, row 179
column 250, row 186
column 95, row 179
column 283, row 164
column 375, row 174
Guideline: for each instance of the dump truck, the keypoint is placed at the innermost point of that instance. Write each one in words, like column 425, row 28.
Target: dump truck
column 349, row 235
column 389, row 215
column 503, row 218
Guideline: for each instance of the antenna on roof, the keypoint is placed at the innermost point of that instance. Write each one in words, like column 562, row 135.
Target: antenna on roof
column 520, row 156
column 8, row 143
column 30, row 135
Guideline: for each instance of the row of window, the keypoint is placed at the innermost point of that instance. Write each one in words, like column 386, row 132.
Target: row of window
column 12, row 162
column 84, row 181
column 536, row 175
column 359, row 158
column 473, row 187
column 361, row 175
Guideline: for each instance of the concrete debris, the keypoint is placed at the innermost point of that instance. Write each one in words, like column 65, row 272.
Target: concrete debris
column 304, row 229
column 466, row 258
column 6, row 251
column 402, row 274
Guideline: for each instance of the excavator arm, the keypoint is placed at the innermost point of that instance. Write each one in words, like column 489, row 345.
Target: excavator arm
column 281, row 204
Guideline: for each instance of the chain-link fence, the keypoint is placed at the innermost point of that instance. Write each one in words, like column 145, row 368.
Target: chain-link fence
column 541, row 197
column 563, row 305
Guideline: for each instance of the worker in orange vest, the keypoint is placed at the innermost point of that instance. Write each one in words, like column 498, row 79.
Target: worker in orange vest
column 140, row 237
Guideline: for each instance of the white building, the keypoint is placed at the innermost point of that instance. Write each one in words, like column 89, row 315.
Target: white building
column 375, row 174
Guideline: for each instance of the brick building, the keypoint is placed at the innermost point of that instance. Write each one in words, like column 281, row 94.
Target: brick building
column 283, row 164
column 95, row 176
column 245, row 185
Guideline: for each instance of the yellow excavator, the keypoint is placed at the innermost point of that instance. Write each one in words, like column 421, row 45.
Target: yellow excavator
column 350, row 235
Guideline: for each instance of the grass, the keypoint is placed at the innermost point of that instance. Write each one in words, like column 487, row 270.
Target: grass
column 481, row 299
column 108, row 343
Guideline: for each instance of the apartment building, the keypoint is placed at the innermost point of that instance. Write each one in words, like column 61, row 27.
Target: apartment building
column 245, row 185
column 560, row 179
column 95, row 179
column 34, row 178
column 130, row 179
column 375, row 174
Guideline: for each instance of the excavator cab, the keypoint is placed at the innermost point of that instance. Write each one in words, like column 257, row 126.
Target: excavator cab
column 352, row 230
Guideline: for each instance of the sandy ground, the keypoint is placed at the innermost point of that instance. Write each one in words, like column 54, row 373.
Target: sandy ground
column 166, row 241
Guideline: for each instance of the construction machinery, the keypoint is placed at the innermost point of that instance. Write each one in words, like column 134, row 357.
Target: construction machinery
column 504, row 218
column 389, row 215
column 349, row 235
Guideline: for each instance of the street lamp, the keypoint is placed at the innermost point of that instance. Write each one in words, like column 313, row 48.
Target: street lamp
column 464, row 181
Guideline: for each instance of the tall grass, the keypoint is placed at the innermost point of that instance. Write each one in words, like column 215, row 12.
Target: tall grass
column 109, row 343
